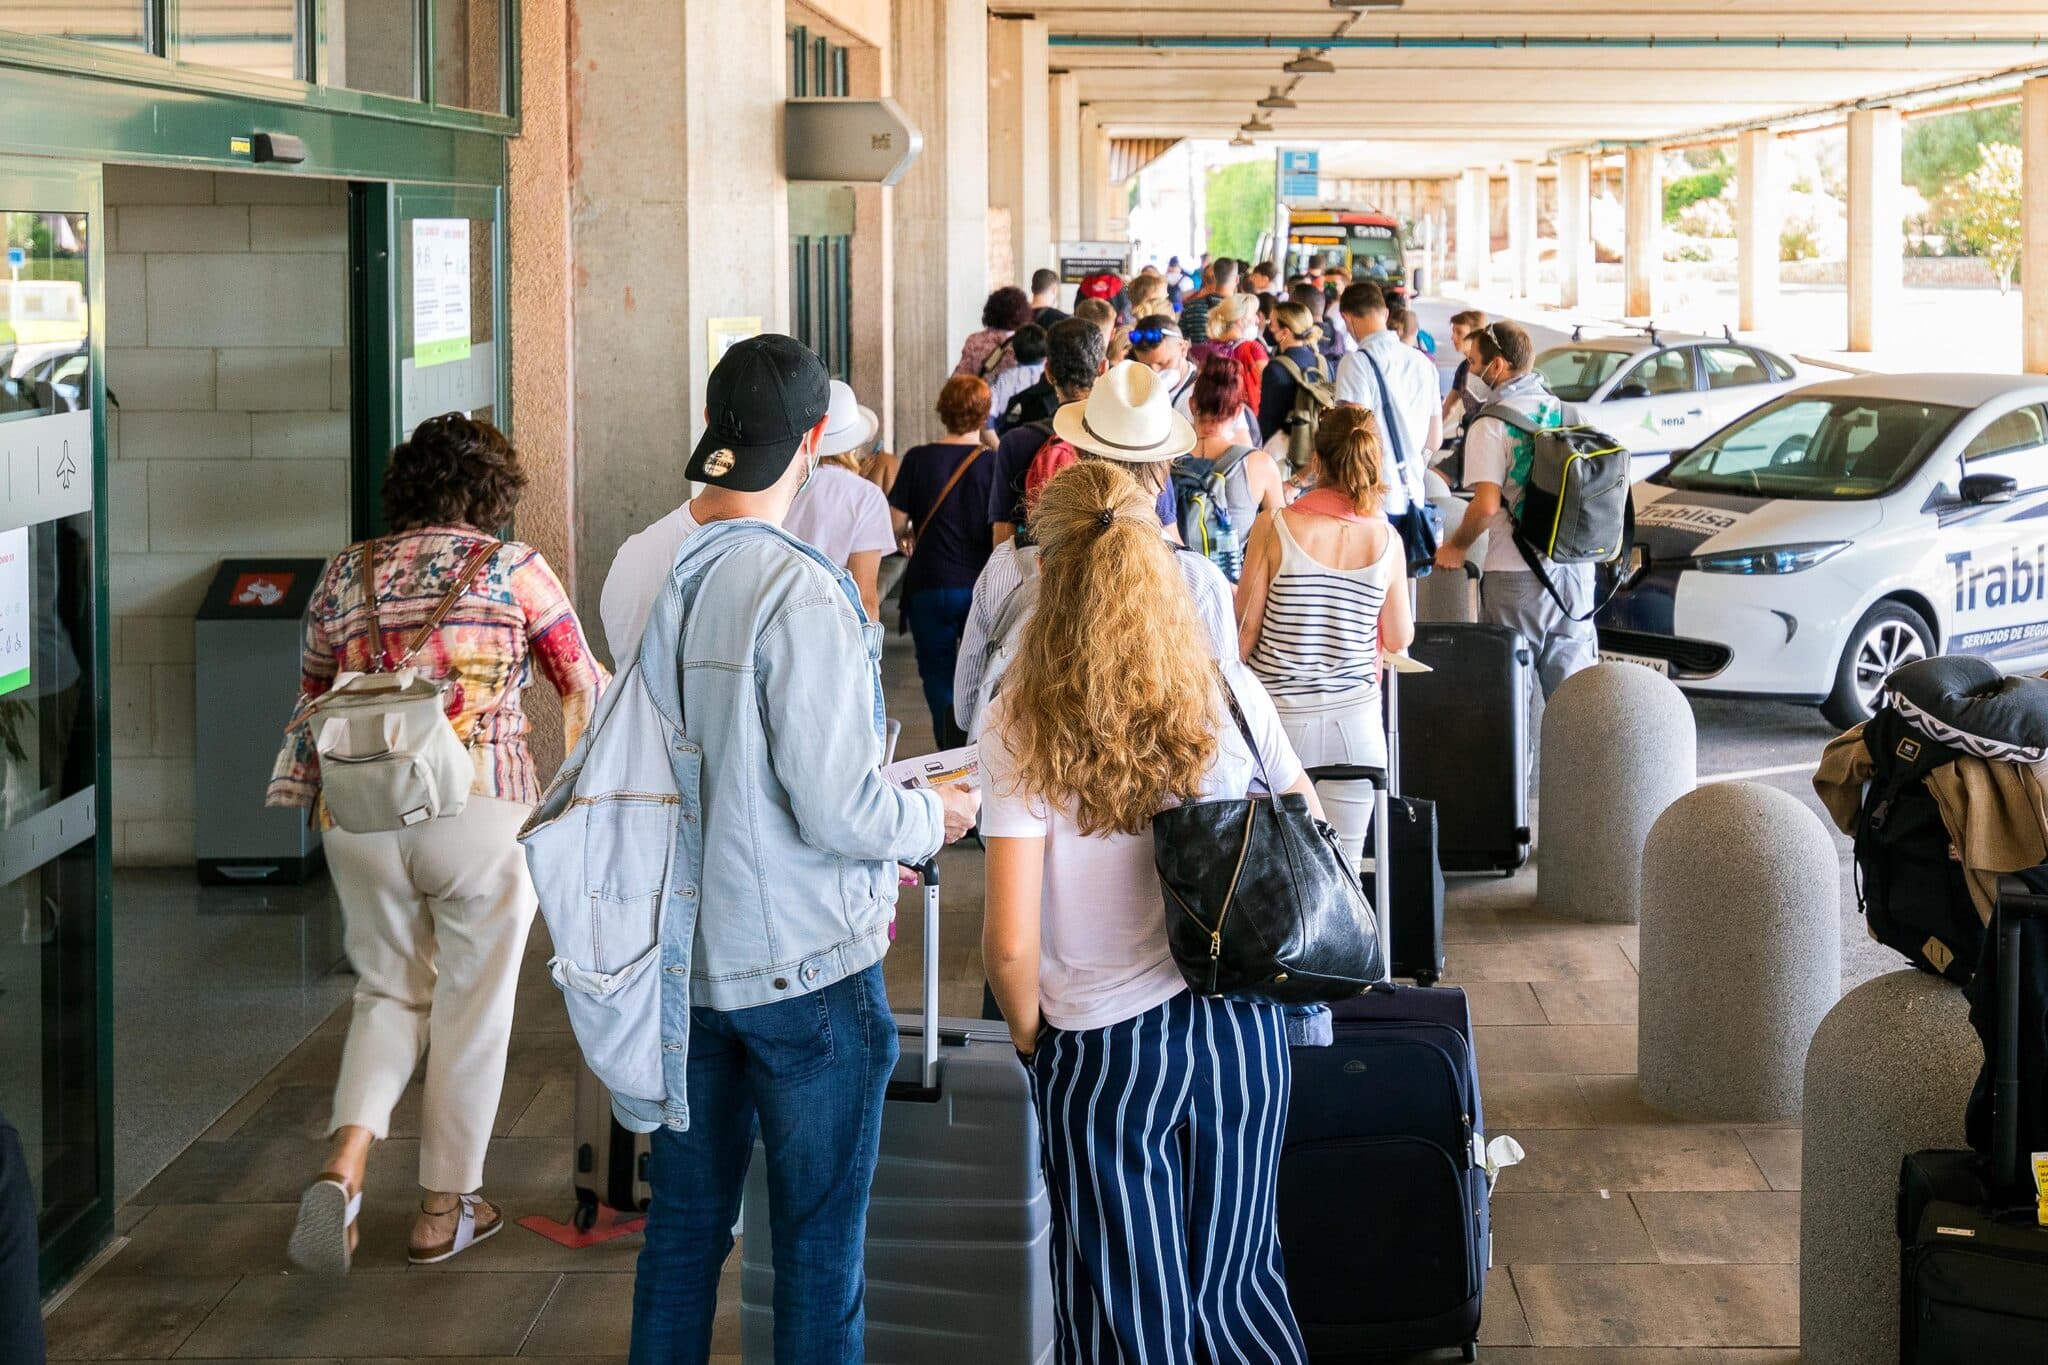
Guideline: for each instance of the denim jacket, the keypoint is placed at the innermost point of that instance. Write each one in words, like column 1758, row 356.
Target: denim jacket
column 733, row 767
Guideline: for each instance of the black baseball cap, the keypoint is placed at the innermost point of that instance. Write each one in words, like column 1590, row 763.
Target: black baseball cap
column 764, row 395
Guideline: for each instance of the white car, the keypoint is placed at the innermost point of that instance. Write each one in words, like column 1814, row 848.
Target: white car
column 1657, row 393
column 1807, row 550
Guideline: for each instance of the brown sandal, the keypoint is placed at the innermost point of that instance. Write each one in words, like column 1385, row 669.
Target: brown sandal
column 469, row 1229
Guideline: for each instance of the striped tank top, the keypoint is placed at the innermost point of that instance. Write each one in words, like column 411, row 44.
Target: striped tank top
column 1318, row 645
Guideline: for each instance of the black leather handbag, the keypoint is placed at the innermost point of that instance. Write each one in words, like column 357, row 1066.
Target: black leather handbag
column 1260, row 901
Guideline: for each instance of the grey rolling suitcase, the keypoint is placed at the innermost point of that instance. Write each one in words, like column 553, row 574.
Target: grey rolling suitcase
column 959, row 1223
column 611, row 1159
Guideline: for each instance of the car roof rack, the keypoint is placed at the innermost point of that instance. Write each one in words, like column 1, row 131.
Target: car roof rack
column 1728, row 333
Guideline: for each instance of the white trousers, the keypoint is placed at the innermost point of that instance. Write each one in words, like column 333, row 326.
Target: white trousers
column 1354, row 735
column 435, row 921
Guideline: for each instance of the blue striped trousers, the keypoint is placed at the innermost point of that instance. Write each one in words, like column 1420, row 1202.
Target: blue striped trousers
column 1161, row 1143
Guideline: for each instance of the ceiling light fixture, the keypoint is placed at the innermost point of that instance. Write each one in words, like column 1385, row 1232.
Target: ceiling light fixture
column 1257, row 124
column 1242, row 141
column 1366, row 4
column 1309, row 64
column 1275, row 100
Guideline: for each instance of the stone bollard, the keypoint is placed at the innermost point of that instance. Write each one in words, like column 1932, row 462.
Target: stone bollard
column 1618, row 747
column 1889, row 1072
column 1741, row 952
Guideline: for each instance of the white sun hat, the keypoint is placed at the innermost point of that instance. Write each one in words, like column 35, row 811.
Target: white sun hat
column 849, row 424
column 1128, row 416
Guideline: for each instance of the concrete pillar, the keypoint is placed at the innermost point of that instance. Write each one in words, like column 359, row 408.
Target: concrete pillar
column 1876, row 230
column 942, row 202
column 669, row 232
column 871, row 368
column 1574, row 228
column 1522, row 228
column 1064, row 97
column 1757, row 227
column 2034, row 226
column 1475, row 230
column 1640, row 263
column 1019, row 136
column 1098, row 211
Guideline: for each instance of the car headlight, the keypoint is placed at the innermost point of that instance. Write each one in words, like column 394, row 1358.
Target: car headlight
column 1770, row 558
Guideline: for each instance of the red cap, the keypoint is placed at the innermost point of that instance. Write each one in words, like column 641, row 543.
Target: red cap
column 1102, row 286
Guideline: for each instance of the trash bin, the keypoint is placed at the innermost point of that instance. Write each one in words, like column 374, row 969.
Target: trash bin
column 246, row 644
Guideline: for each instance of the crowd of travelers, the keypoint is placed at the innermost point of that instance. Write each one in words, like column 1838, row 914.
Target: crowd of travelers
column 1149, row 550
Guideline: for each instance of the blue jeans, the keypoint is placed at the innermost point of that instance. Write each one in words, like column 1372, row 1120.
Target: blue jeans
column 811, row 1073
column 938, row 618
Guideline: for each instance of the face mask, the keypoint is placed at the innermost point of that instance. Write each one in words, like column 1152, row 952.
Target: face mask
column 1479, row 388
column 810, row 471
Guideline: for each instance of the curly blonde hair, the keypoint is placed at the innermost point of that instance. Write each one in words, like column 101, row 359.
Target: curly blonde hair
column 1110, row 706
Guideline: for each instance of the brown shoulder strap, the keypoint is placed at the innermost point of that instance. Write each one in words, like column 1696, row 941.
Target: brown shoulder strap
column 369, row 571
column 947, row 491
column 460, row 584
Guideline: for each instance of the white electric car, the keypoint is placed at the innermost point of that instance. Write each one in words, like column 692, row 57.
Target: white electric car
column 1807, row 550
column 1656, row 393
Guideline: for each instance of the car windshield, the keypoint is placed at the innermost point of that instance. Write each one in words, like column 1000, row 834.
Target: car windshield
column 1821, row 448
column 1575, row 373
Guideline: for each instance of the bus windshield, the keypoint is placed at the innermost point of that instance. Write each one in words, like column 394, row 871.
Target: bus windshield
column 1370, row 251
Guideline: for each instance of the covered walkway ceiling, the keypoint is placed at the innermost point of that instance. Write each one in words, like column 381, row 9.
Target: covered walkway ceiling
column 1439, row 85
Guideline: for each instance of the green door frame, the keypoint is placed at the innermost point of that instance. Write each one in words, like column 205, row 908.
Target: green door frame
column 378, row 215
column 57, row 186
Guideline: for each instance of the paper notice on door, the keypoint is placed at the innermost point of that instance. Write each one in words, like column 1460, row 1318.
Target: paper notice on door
column 15, row 588
column 937, row 770
column 440, row 290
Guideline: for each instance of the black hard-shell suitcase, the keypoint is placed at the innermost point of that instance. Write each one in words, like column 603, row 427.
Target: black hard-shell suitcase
column 1973, row 1265
column 1383, row 1199
column 1467, row 742
column 959, row 1235
column 611, row 1159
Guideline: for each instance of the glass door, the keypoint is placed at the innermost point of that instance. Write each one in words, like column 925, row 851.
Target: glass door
column 56, row 1055
column 429, row 298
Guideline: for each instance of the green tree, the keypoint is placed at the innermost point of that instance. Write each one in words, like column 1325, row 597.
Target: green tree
column 1983, row 212
column 1240, row 207
column 1944, row 148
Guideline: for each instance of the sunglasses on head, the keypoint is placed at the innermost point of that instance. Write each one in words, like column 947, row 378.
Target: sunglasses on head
column 1152, row 336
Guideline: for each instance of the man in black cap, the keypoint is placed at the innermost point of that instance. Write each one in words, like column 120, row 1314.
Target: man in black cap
column 772, row 1014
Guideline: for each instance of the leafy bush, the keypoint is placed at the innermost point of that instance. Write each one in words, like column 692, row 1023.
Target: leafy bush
column 1240, row 207
column 1983, row 212
column 1690, row 189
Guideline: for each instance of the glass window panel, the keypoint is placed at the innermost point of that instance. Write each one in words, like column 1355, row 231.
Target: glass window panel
column 374, row 45
column 111, row 23
column 263, row 37
column 469, row 54
column 447, row 319
column 1730, row 367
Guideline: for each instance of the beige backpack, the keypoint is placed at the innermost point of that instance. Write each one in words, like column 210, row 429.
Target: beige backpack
column 389, row 757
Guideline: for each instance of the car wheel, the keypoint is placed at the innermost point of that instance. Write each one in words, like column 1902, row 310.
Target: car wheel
column 1889, row 635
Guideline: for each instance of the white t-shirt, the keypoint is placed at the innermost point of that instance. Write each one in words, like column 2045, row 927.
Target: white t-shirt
column 1102, row 951
column 1412, row 383
column 1489, row 454
column 839, row 514
column 639, row 570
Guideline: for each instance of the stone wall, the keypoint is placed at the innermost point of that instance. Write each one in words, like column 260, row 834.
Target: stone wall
column 227, row 366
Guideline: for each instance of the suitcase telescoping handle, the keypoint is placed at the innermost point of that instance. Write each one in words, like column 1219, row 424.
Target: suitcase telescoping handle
column 2017, row 903
column 926, row 1087
column 1382, row 905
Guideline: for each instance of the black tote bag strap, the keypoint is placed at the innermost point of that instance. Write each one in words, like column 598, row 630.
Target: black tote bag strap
column 1244, row 727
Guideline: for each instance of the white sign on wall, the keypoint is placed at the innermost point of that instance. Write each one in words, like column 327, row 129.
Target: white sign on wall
column 440, row 290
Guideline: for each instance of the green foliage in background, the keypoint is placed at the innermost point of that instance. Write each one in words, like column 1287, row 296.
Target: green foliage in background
column 1240, row 203
column 1983, row 212
column 1942, row 149
column 1687, row 190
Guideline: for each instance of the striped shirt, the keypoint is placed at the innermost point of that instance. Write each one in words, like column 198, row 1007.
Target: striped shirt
column 514, row 616
column 1319, row 642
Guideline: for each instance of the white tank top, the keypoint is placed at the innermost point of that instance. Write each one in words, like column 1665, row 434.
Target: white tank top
column 1319, row 643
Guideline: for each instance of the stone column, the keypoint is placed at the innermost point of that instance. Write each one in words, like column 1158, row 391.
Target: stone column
column 1876, row 232
column 1065, row 100
column 872, row 301
column 1522, row 228
column 2034, row 224
column 942, row 203
column 1019, row 134
column 1475, row 230
column 668, row 232
column 1574, row 228
column 1758, row 225
column 1645, row 195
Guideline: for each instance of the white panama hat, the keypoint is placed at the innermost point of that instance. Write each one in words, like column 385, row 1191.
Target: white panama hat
column 849, row 424
column 1128, row 416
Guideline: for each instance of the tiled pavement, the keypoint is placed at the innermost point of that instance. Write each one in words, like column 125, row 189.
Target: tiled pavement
column 1624, row 1239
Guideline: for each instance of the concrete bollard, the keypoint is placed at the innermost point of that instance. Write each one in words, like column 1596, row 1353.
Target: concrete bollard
column 1741, row 952
column 1889, row 1072
column 1618, row 747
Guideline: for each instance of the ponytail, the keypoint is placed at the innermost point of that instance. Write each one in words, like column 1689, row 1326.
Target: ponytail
column 1348, row 456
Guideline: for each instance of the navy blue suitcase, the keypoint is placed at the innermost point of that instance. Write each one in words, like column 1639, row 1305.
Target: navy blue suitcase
column 1385, row 1131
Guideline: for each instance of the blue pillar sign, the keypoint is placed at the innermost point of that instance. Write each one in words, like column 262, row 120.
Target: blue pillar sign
column 1300, row 173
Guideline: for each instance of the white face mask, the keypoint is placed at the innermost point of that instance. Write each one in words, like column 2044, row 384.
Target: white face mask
column 811, row 463
column 1478, row 388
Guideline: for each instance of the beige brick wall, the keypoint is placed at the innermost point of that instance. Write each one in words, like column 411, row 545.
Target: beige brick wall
column 227, row 351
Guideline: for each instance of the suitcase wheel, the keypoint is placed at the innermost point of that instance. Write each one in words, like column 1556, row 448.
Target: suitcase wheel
column 1425, row 978
column 585, row 1217
column 1471, row 1352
